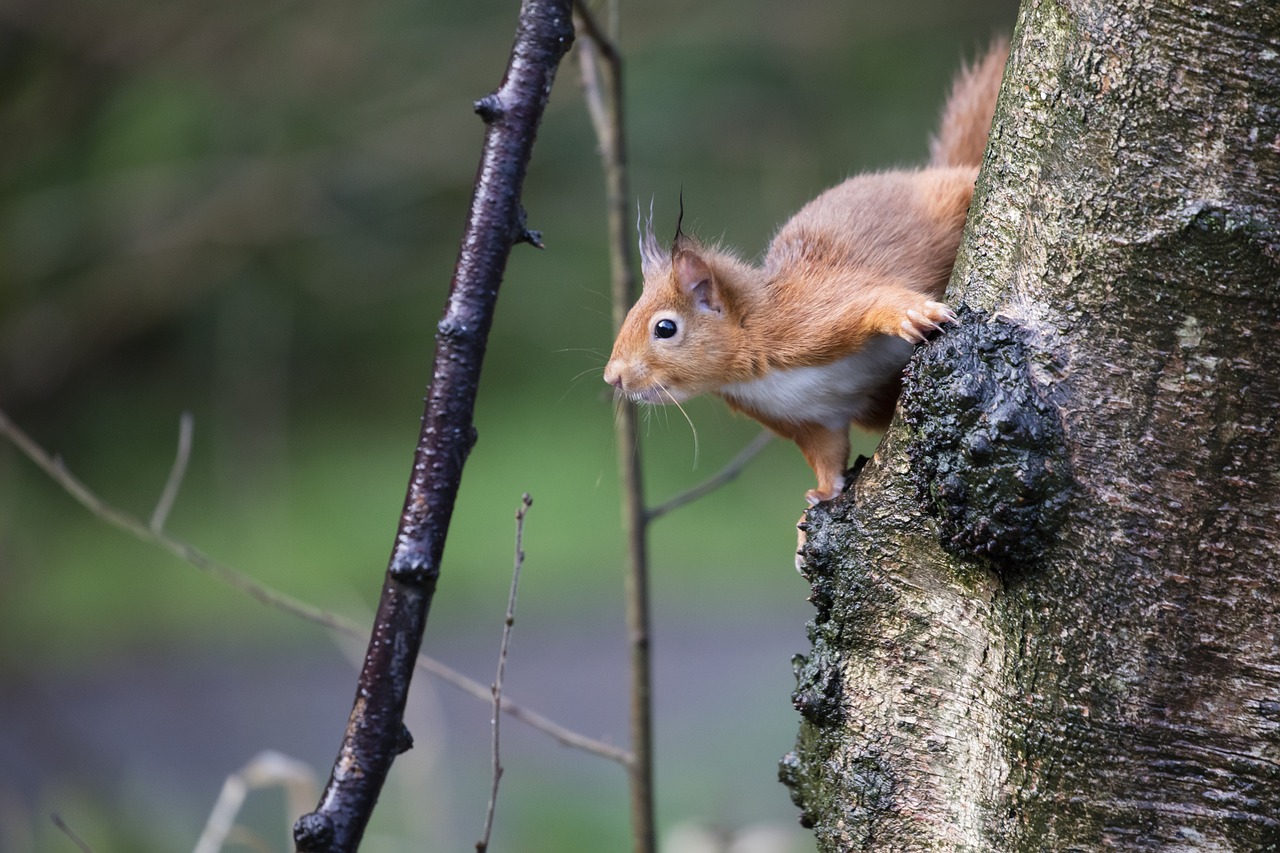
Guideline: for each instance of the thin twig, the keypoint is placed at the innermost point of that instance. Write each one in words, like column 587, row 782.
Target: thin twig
column 70, row 833
column 283, row 602
column 596, row 49
column 268, row 768
column 566, row 737
column 186, row 423
column 525, row 502
column 602, row 83
column 726, row 474
column 134, row 526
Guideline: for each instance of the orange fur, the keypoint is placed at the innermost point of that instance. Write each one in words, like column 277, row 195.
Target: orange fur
column 808, row 341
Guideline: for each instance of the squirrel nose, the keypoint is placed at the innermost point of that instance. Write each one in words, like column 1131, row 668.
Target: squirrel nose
column 613, row 374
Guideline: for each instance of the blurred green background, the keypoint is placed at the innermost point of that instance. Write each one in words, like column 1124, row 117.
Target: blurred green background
column 250, row 211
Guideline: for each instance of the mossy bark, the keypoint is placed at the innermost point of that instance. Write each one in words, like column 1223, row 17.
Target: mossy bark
column 1048, row 610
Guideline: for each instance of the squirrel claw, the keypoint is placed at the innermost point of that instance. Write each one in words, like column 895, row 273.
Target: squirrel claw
column 920, row 322
column 942, row 311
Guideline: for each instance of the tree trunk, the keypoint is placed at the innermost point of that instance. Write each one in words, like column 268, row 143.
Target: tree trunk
column 1048, row 610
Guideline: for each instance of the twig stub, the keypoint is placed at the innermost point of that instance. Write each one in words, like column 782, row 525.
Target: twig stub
column 313, row 833
column 489, row 108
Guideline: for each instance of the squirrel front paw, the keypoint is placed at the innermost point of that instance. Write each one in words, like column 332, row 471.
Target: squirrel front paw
column 923, row 319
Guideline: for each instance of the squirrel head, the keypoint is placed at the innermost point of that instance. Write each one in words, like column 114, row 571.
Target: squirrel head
column 683, row 336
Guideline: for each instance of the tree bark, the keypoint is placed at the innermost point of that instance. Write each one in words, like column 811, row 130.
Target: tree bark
column 1048, row 610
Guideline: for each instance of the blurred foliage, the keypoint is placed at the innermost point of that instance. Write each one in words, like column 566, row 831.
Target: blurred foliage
column 250, row 210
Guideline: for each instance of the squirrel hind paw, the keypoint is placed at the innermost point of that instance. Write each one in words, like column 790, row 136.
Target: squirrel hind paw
column 817, row 496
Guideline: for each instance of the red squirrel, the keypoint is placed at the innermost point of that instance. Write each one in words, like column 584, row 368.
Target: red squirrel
column 815, row 338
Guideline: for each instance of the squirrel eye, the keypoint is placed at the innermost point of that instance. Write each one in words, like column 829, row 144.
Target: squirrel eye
column 664, row 329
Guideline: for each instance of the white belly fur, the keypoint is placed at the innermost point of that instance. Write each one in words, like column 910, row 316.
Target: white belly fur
column 832, row 394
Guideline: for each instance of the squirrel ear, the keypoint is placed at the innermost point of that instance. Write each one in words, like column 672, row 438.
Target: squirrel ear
column 696, row 279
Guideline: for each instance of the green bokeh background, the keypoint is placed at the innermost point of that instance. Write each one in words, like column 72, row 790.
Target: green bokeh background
column 250, row 211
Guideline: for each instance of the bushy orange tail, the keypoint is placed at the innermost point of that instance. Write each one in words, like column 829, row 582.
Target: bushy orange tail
column 966, row 119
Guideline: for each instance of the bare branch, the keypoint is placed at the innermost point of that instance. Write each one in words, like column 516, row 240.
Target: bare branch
column 265, row 769
column 374, row 734
column 602, row 84
column 134, row 526
column 186, row 424
column 283, row 602
column 568, row 737
column 598, row 59
column 483, row 844
column 720, row 478
column 70, row 833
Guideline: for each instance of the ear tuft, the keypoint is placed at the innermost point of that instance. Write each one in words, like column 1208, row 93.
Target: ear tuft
column 652, row 259
column 681, row 242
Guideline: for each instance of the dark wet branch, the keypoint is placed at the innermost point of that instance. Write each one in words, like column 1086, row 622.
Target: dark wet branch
column 495, row 223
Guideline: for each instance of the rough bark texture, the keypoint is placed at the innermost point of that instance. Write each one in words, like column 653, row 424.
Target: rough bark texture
column 1048, row 610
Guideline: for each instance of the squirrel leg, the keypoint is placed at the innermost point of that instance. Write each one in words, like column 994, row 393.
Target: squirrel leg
column 909, row 314
column 827, row 452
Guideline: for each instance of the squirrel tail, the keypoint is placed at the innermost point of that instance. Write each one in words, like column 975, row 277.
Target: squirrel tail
column 966, row 118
